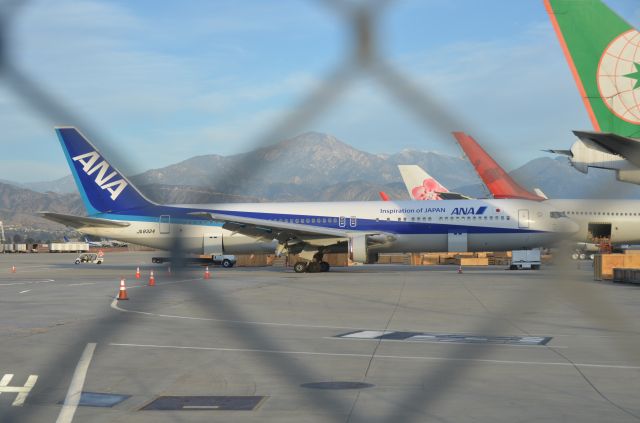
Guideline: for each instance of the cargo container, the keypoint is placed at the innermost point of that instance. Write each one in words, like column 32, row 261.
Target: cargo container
column 20, row 248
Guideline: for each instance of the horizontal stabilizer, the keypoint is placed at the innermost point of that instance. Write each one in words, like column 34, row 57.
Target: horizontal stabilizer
column 540, row 194
column 560, row 152
column 629, row 148
column 81, row 221
column 452, row 196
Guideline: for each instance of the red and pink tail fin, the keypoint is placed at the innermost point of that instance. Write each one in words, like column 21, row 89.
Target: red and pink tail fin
column 494, row 177
column 384, row 196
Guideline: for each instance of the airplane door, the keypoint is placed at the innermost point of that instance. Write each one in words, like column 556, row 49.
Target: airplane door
column 212, row 244
column 523, row 218
column 165, row 224
column 457, row 242
column 353, row 221
column 342, row 222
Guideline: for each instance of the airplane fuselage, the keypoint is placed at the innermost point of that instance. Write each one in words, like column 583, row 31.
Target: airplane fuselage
column 415, row 226
column 623, row 216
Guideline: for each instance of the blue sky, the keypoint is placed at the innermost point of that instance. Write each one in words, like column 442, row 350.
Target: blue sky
column 164, row 81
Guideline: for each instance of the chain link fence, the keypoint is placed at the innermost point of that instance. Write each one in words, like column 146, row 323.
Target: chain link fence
column 364, row 59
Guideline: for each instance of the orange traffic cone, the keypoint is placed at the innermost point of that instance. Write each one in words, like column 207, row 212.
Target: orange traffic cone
column 122, row 294
column 460, row 269
column 137, row 273
column 207, row 275
column 13, row 269
column 152, row 280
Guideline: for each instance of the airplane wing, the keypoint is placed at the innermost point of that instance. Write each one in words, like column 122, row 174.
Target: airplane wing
column 494, row 177
column 81, row 221
column 282, row 231
column 629, row 148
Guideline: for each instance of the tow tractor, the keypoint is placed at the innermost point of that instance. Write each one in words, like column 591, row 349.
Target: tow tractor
column 89, row 258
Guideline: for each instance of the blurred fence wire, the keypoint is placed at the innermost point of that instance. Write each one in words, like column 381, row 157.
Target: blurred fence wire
column 364, row 58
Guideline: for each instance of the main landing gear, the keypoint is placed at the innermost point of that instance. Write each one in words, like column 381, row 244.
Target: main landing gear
column 311, row 267
column 315, row 266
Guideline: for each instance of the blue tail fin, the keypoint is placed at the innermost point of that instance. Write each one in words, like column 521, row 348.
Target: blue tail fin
column 102, row 188
column 65, row 238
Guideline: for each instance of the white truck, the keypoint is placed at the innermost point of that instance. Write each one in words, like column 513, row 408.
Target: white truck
column 525, row 259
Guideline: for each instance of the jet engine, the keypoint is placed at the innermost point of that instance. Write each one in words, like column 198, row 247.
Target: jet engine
column 359, row 247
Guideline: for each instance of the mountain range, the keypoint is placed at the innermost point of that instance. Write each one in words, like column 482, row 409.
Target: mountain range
column 309, row 167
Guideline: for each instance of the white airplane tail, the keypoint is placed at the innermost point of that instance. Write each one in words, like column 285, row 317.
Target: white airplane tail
column 420, row 184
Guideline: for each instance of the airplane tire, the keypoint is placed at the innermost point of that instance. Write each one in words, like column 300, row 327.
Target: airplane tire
column 583, row 256
column 324, row 266
column 575, row 256
column 314, row 267
column 300, row 267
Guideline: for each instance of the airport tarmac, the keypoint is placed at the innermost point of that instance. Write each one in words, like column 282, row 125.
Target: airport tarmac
column 265, row 344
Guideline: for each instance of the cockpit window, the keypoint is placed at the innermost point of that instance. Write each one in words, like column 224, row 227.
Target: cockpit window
column 557, row 214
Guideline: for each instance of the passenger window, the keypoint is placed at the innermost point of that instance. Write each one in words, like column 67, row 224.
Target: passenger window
column 297, row 221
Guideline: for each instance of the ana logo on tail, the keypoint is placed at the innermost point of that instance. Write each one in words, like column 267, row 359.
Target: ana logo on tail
column 90, row 166
column 619, row 76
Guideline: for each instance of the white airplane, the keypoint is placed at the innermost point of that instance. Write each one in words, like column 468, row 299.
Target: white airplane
column 116, row 209
column 609, row 221
column 602, row 51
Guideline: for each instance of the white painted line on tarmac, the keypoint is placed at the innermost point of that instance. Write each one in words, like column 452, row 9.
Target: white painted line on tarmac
column 114, row 305
column 72, row 399
column 24, row 292
column 22, row 391
column 82, row 284
column 380, row 356
column 200, row 407
column 28, row 282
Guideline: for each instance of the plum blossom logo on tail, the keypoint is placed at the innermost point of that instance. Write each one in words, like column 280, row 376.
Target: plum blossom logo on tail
column 428, row 190
column 619, row 76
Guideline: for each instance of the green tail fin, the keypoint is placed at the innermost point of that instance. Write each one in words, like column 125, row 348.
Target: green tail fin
column 603, row 52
